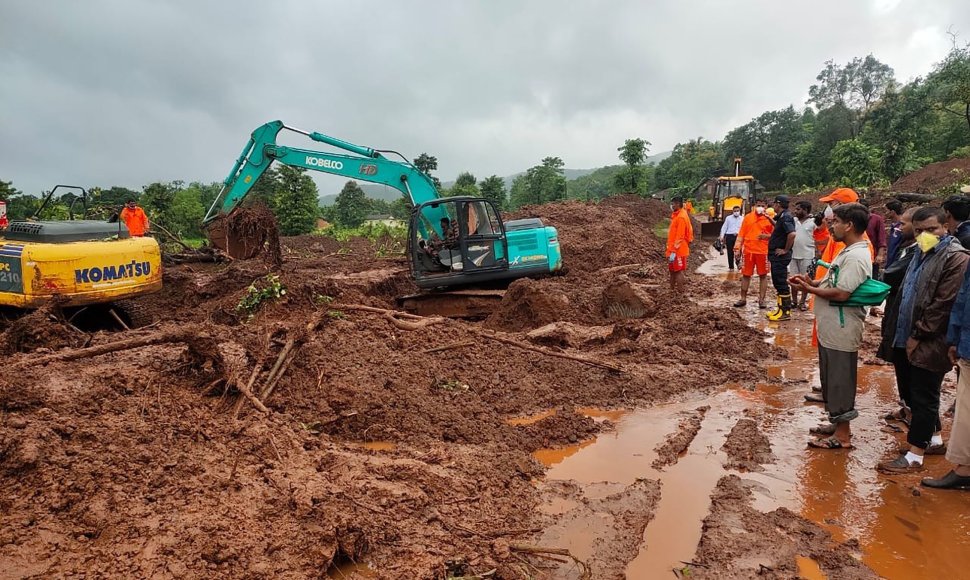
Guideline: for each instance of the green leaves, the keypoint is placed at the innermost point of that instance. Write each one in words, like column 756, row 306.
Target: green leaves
column 350, row 208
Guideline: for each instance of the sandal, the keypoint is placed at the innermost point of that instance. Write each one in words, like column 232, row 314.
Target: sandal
column 814, row 399
column 740, row 303
column 762, row 305
column 829, row 443
column 890, row 428
column 823, row 430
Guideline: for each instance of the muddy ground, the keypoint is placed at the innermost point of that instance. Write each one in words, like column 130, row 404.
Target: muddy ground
column 148, row 462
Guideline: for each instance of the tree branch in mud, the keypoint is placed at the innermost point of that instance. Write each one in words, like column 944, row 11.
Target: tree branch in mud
column 422, row 321
column 540, row 551
column 187, row 335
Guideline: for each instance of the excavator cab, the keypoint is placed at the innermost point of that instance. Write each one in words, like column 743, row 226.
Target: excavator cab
column 729, row 192
column 457, row 240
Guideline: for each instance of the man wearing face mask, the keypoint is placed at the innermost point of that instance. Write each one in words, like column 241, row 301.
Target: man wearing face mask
column 729, row 233
column 780, row 255
column 753, row 238
column 930, row 288
column 679, row 236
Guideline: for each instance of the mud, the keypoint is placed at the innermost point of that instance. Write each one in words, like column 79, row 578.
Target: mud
column 248, row 232
column 140, row 464
column 677, row 443
column 747, row 447
column 935, row 177
column 40, row 331
column 741, row 542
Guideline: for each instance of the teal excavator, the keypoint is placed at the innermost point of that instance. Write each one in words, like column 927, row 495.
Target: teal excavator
column 452, row 241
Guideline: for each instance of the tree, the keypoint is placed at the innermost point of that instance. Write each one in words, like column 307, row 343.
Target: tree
column 350, row 208
column 493, row 188
column 855, row 163
column 7, row 190
column 868, row 79
column 949, row 84
column 297, row 203
column 633, row 153
column 426, row 164
column 545, row 182
column 158, row 200
column 689, row 164
column 767, row 144
column 465, row 184
column 266, row 189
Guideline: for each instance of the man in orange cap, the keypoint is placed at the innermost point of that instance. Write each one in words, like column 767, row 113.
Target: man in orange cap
column 838, row 197
column 753, row 238
column 679, row 237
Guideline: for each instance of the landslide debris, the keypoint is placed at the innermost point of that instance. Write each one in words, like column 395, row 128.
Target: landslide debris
column 139, row 462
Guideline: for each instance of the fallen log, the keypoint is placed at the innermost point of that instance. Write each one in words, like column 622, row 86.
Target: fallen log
column 390, row 315
column 185, row 334
column 914, row 197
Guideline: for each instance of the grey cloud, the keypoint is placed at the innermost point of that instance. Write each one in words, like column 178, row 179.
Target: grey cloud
column 126, row 92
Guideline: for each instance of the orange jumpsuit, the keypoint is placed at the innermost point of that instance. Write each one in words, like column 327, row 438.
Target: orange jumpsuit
column 136, row 220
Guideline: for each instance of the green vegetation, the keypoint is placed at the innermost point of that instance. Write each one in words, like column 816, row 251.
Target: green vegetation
column 660, row 228
column 261, row 290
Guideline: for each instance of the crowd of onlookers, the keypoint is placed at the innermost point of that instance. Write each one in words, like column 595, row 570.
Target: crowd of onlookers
column 909, row 265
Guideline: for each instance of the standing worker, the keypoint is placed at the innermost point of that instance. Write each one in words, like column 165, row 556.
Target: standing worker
column 753, row 246
column 803, row 252
column 894, row 212
column 679, row 237
column 729, row 233
column 135, row 218
column 780, row 254
column 840, row 327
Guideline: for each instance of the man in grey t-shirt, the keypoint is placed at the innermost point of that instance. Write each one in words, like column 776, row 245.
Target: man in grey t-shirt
column 840, row 327
column 803, row 252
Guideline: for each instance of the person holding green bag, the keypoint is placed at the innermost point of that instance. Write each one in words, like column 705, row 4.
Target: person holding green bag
column 840, row 326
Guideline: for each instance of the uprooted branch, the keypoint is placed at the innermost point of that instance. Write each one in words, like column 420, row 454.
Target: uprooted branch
column 186, row 334
column 414, row 322
column 586, row 574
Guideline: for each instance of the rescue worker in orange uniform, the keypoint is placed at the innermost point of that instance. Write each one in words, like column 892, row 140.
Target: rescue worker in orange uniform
column 679, row 237
column 752, row 244
column 135, row 218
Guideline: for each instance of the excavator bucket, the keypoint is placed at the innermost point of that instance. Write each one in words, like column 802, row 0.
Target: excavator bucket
column 711, row 230
column 245, row 233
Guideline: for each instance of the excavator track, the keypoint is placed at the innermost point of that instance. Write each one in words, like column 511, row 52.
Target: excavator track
column 466, row 304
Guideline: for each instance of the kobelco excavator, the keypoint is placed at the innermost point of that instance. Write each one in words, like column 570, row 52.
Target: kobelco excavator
column 452, row 241
column 83, row 263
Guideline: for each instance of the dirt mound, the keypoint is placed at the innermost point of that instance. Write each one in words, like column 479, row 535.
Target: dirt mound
column 42, row 329
column 935, row 177
column 677, row 443
column 564, row 427
column 614, row 232
column 740, row 542
column 747, row 447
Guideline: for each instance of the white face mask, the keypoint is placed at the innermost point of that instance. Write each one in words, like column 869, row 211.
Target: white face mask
column 829, row 214
column 759, row 210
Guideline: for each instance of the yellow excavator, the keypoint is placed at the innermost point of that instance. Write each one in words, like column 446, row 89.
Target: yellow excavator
column 729, row 191
column 81, row 263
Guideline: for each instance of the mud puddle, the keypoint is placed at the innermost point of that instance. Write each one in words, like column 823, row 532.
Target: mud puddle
column 900, row 534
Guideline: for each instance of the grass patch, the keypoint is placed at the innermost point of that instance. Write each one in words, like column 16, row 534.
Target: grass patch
column 387, row 240
column 660, row 228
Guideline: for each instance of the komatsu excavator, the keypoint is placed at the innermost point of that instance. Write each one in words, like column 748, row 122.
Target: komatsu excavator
column 452, row 241
column 91, row 267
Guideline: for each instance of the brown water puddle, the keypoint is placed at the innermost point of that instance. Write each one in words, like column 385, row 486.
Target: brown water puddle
column 902, row 535
column 809, row 569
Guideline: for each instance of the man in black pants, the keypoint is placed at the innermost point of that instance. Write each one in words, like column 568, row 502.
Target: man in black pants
column 779, row 256
column 930, row 288
column 729, row 233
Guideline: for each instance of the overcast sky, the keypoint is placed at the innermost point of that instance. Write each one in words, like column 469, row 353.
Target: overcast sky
column 127, row 92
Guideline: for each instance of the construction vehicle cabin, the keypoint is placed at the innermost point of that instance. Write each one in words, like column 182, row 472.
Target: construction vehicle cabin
column 726, row 193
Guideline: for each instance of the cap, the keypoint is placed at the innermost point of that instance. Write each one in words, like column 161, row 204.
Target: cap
column 770, row 212
column 782, row 199
column 965, row 189
column 843, row 195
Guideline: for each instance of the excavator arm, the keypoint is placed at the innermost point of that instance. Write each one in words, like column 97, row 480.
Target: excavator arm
column 366, row 165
